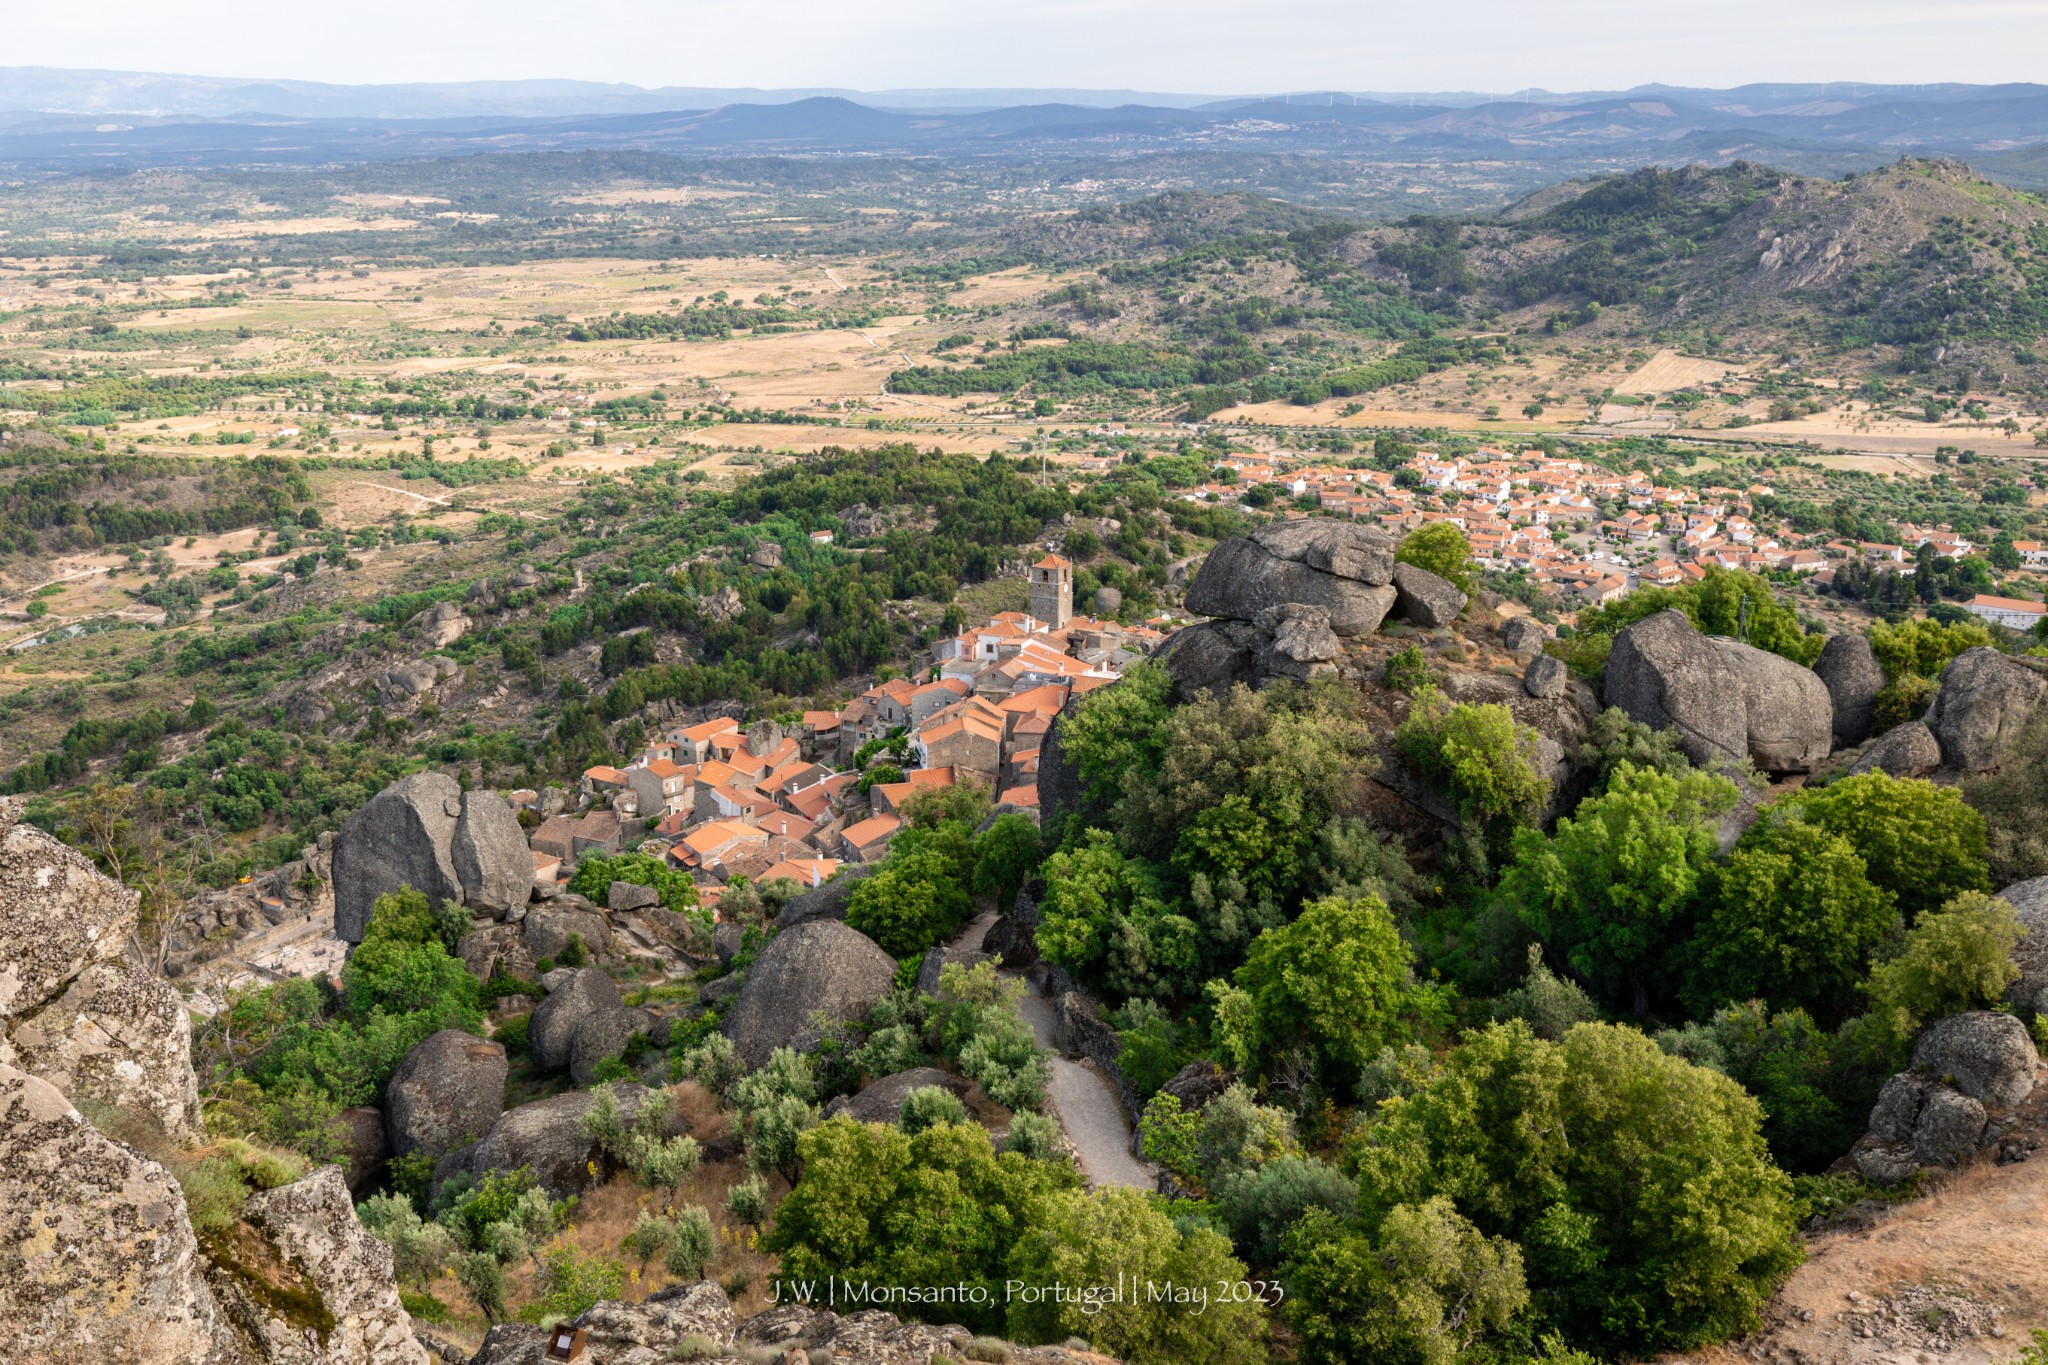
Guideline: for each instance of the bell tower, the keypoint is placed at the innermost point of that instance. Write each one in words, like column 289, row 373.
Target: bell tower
column 1052, row 591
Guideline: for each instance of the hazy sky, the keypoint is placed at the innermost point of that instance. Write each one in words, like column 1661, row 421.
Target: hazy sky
column 1217, row 46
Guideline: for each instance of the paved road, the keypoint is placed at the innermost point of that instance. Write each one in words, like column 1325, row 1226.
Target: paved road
column 1085, row 1099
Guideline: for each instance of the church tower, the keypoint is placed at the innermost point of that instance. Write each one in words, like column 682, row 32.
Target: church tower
column 1052, row 591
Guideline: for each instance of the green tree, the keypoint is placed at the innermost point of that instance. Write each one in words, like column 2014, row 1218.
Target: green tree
column 1334, row 981
column 1085, row 1238
column 890, row 1208
column 1426, row 1290
column 1794, row 921
column 1479, row 756
column 1005, row 854
column 1615, row 887
column 1115, row 731
column 1922, row 647
column 1918, row 841
column 596, row 873
column 1440, row 548
column 1638, row 1185
column 1112, row 917
column 1956, row 958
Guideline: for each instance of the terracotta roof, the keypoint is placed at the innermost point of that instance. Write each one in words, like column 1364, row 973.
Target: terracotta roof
column 871, row 831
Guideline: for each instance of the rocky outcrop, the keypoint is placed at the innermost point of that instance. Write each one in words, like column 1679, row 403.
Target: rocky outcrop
column 2029, row 900
column 425, row 832
column 1210, row 656
column 547, row 1136
column 1849, row 670
column 403, row 683
column 878, row 1338
column 1667, row 675
column 1294, row 641
column 1424, row 599
column 819, row 970
column 447, row 1092
column 499, row 948
column 1014, row 936
column 881, row 1101
column 1918, row 1121
column 1789, row 720
column 630, row 896
column 547, row 930
column 441, row 625
column 1908, row 750
column 58, row 915
column 551, row 1035
column 603, row 1034
column 119, row 1036
column 1984, row 702
column 101, row 1261
column 1338, row 565
column 1987, row 1056
column 312, row 1227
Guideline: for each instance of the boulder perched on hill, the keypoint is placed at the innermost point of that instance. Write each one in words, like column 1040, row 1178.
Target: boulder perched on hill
column 1545, row 677
column 1849, row 670
column 119, row 1036
column 441, row 625
column 1984, row 702
column 464, row 848
column 1340, row 565
column 603, row 1034
column 1522, row 635
column 546, row 929
column 1666, row 675
column 1789, row 720
column 103, row 1264
column 826, row 901
column 311, row 1225
column 881, row 1101
column 1908, row 750
column 1209, row 656
column 819, row 969
column 447, row 1092
column 1424, row 599
column 546, row 1136
column 551, row 1035
column 1985, row 1055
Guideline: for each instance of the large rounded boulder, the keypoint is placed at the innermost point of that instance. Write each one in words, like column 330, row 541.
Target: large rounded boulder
column 447, row 1092
column 1789, row 719
column 1340, row 565
column 546, row 1137
column 816, row 972
column 551, row 1035
column 1425, row 599
column 2029, row 900
column 1984, row 702
column 1667, row 675
column 58, row 914
column 881, row 1101
column 1987, row 1056
column 1908, row 750
column 603, row 1034
column 425, row 832
column 1849, row 670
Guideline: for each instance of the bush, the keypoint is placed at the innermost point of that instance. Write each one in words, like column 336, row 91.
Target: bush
column 1441, row 548
column 694, row 1245
column 1479, row 756
column 1036, row 1136
column 1408, row 670
column 1545, row 1001
column 1955, row 959
column 571, row 1283
column 928, row 1105
column 1918, row 841
column 1260, row 1205
column 511, row 1034
column 2011, row 801
column 747, row 1202
column 1904, row 698
column 1332, row 984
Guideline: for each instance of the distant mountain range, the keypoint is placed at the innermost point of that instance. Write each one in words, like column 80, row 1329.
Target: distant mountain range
column 58, row 118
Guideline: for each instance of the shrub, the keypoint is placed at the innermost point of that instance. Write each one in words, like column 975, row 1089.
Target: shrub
column 928, row 1105
column 1033, row 1135
column 1408, row 670
column 694, row 1244
column 714, row 1064
column 1333, row 983
column 1548, row 1003
column 511, row 1034
column 2011, row 801
column 1918, row 841
column 571, row 1283
column 1260, row 1205
column 1441, row 548
column 747, row 1202
column 1479, row 756
column 1955, row 959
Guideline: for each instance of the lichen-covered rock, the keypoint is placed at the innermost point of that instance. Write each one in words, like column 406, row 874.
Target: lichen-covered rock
column 498, row 948
column 490, row 855
column 58, row 914
column 1209, row 656
column 2029, row 900
column 1338, row 565
column 100, row 1260
column 1667, row 675
column 881, row 1101
column 829, row 900
column 119, row 1036
column 1522, row 635
column 312, row 1224
column 1908, row 750
column 630, row 896
column 547, row 1136
column 441, row 625
column 447, row 1092
column 1985, row 1055
column 1849, row 670
column 602, row 1034
column 547, row 930
column 1984, row 702
column 1295, row 641
column 1789, row 720
column 1545, row 677
column 403, row 836
column 817, row 970
column 1883, row 1161
column 1897, row 1111
column 1949, row 1128
column 552, row 1033
column 1426, row 599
